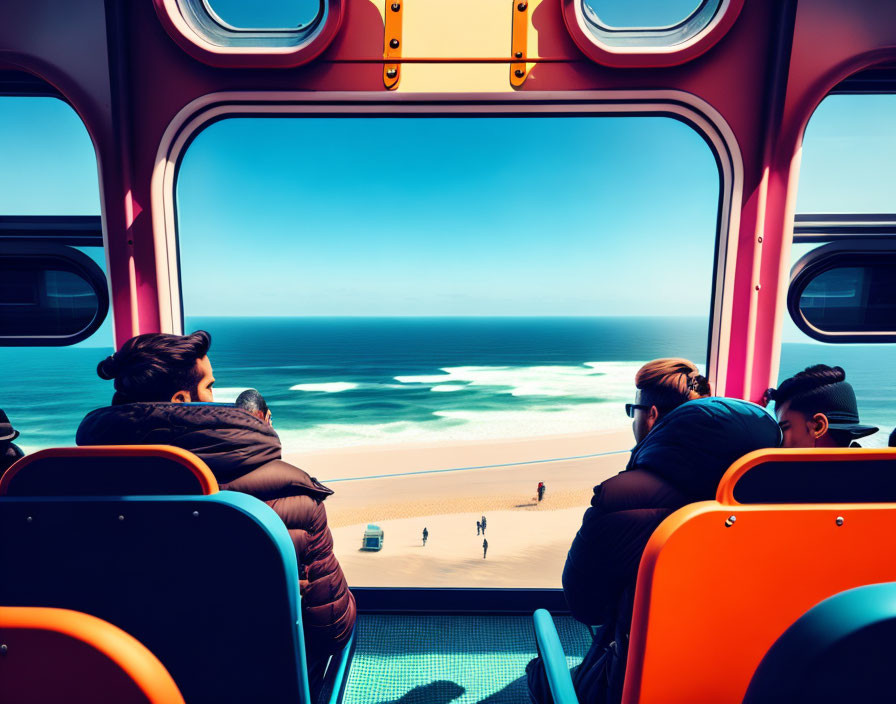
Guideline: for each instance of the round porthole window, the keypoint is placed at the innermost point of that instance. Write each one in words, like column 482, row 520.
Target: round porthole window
column 643, row 33
column 241, row 34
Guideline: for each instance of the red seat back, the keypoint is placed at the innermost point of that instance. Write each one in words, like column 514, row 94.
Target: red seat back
column 57, row 655
column 720, row 581
column 109, row 470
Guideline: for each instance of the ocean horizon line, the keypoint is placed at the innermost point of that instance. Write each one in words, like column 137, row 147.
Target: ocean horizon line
column 446, row 317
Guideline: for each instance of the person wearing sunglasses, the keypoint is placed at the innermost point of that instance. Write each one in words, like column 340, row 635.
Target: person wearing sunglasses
column 686, row 439
column 661, row 386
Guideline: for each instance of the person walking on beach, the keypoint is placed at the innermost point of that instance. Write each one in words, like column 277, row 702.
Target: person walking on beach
column 540, row 491
column 478, row 527
column 425, row 536
column 484, row 547
column 483, row 525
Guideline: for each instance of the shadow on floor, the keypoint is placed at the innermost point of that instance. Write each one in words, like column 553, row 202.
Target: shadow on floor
column 517, row 692
column 439, row 692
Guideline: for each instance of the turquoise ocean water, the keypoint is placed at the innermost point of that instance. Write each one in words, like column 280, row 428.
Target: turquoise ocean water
column 335, row 382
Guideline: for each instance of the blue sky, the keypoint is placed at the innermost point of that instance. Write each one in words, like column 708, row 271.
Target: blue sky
column 440, row 216
column 291, row 13
column 446, row 217
column 268, row 14
column 48, row 163
column 643, row 13
column 849, row 156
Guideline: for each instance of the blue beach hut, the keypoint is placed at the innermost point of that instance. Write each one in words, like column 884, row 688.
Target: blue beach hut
column 373, row 538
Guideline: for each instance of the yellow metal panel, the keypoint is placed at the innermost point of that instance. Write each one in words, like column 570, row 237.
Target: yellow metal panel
column 456, row 29
column 455, row 78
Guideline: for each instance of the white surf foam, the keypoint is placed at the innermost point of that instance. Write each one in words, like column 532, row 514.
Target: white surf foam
column 575, row 399
column 598, row 380
column 328, row 387
column 424, row 379
column 227, row 394
column 457, row 425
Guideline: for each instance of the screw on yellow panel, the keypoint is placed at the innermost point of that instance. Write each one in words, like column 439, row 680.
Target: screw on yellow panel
column 392, row 43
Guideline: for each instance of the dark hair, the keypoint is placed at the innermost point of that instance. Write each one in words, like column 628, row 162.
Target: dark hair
column 252, row 401
column 155, row 366
column 802, row 391
column 801, row 387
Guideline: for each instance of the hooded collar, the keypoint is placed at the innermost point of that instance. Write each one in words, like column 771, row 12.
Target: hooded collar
column 231, row 441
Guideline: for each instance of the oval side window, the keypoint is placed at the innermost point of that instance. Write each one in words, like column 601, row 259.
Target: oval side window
column 50, row 295
column 846, row 292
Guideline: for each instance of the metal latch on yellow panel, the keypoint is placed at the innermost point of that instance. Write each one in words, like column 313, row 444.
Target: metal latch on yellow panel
column 392, row 47
column 518, row 39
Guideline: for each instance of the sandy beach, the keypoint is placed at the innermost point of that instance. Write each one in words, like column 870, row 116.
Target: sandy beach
column 525, row 549
column 446, row 489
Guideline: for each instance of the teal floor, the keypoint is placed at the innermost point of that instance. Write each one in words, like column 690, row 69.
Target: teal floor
column 450, row 659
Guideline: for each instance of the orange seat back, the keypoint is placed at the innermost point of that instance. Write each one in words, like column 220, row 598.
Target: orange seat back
column 719, row 581
column 109, row 470
column 57, row 655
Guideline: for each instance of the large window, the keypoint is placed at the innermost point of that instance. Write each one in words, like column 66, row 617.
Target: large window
column 848, row 154
column 847, row 167
column 49, row 168
column 443, row 312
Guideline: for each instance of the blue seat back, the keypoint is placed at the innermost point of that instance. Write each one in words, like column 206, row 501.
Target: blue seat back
column 207, row 583
column 841, row 650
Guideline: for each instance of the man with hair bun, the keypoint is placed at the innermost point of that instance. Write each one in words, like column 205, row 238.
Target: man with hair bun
column 686, row 440
column 155, row 368
column 817, row 408
column 661, row 386
column 163, row 389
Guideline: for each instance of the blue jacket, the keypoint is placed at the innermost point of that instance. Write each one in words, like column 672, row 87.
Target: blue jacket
column 694, row 444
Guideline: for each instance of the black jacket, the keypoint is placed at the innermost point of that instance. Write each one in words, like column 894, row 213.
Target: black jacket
column 679, row 462
column 244, row 455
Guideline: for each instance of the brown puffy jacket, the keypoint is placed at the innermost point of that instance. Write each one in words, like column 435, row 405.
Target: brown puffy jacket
column 244, row 454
